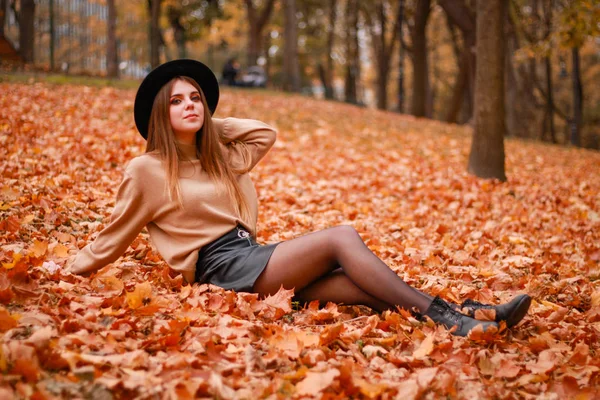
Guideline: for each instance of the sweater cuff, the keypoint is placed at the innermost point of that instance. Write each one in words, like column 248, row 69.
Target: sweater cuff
column 219, row 125
column 85, row 261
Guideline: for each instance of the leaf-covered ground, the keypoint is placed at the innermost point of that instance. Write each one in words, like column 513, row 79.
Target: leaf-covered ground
column 134, row 331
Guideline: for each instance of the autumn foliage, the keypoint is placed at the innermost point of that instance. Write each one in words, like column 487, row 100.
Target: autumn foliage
column 134, row 330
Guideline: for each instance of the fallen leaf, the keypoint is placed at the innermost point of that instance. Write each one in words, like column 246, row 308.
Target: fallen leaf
column 425, row 347
column 142, row 295
column 316, row 382
column 39, row 248
column 546, row 361
column 330, row 333
column 6, row 320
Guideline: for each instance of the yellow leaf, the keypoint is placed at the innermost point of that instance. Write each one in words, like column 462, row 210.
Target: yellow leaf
column 39, row 248
column 425, row 348
column 315, row 382
column 108, row 285
column 6, row 320
column 16, row 258
column 60, row 250
column 596, row 298
column 142, row 295
column 63, row 237
column 27, row 219
column 3, row 363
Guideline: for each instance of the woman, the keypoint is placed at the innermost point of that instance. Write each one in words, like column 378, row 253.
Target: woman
column 192, row 191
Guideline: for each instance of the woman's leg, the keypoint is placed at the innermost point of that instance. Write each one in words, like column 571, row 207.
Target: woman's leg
column 303, row 261
column 336, row 287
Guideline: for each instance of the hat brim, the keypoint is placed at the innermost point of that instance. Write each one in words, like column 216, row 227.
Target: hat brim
column 158, row 77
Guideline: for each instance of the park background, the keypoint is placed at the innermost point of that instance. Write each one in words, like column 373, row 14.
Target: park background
column 409, row 56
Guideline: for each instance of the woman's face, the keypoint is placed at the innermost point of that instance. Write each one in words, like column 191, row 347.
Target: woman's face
column 185, row 111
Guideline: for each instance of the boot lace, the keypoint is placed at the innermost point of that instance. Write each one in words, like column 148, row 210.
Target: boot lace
column 453, row 316
column 475, row 304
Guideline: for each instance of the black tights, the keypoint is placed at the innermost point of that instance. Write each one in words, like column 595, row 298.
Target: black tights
column 335, row 265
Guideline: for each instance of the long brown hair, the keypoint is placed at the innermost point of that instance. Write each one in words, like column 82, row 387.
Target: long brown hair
column 161, row 141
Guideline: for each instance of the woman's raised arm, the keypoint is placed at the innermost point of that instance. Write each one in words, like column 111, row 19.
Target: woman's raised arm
column 256, row 135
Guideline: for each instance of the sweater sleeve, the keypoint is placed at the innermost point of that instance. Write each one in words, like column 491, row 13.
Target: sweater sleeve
column 130, row 215
column 256, row 135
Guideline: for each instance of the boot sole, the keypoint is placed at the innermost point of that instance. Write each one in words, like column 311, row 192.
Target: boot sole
column 519, row 311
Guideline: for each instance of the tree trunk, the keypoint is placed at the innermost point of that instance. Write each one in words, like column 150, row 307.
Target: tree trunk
column 155, row 37
column 383, row 60
column 400, row 20
column 322, row 77
column 460, row 87
column 175, row 15
column 112, row 67
column 486, row 159
column 420, row 88
column 3, row 4
column 254, row 45
column 514, row 124
column 267, row 66
column 549, row 115
column 577, row 99
column 291, row 65
column 26, row 30
column 383, row 49
column 519, row 100
column 352, row 53
column 382, row 81
column 463, row 93
column 83, row 35
column 329, row 50
column 547, row 9
column 52, row 36
column 256, row 23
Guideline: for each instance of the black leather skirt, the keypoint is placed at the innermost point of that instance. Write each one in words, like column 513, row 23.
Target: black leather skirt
column 234, row 261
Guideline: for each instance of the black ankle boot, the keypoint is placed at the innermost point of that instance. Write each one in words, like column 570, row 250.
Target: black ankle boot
column 441, row 312
column 512, row 312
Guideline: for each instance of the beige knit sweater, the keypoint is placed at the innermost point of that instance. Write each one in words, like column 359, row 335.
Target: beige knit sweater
column 177, row 233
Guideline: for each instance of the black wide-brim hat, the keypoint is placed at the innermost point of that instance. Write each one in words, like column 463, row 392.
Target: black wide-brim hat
column 158, row 77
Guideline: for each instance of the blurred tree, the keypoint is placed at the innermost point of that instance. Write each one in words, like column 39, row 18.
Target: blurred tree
column 25, row 17
column 549, row 113
column 400, row 26
column 560, row 29
column 352, row 52
column 578, row 21
column 175, row 15
column 320, row 51
column 3, row 4
column 257, row 21
column 52, row 35
column 486, row 159
column 520, row 101
column 155, row 34
column 326, row 71
column 377, row 15
column 291, row 66
column 112, row 59
column 189, row 19
column 420, row 86
column 460, row 15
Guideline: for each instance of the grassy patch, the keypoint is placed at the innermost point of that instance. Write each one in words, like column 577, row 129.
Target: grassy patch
column 59, row 79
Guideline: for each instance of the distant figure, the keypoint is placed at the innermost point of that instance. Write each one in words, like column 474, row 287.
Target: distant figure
column 254, row 77
column 230, row 71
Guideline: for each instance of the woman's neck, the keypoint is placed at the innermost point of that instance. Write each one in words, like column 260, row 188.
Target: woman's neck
column 189, row 151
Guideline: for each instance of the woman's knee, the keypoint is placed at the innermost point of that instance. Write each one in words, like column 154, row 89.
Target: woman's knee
column 345, row 234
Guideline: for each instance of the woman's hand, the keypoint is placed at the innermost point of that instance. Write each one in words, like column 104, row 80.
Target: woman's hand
column 72, row 268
